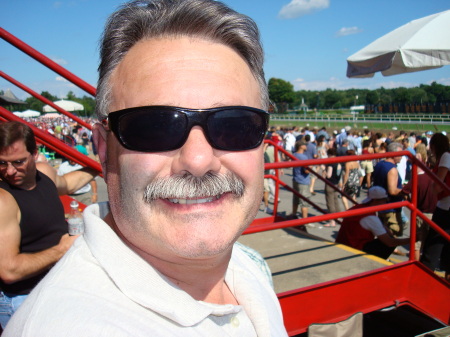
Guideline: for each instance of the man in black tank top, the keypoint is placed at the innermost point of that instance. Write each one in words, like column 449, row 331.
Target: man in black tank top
column 33, row 230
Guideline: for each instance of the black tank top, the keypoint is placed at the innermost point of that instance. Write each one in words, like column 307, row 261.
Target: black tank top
column 42, row 224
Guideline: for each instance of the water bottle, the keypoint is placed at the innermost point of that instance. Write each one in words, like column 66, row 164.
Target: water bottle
column 76, row 223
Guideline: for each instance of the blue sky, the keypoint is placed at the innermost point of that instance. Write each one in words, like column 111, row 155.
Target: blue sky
column 306, row 42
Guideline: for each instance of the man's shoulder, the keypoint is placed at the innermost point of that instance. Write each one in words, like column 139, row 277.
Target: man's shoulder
column 7, row 200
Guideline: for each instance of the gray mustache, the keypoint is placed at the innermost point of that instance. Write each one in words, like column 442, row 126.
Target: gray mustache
column 187, row 186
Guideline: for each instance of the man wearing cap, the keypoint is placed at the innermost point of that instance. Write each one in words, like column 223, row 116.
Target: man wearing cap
column 366, row 232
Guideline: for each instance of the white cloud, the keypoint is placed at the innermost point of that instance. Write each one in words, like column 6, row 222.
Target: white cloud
column 61, row 79
column 59, row 61
column 297, row 8
column 344, row 31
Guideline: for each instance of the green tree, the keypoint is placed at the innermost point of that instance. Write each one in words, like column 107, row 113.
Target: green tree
column 372, row 97
column 402, row 95
column 281, row 92
column 330, row 98
column 418, row 95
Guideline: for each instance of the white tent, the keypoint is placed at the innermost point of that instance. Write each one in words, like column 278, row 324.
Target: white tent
column 66, row 105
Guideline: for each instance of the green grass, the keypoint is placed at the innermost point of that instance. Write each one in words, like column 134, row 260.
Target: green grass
column 361, row 125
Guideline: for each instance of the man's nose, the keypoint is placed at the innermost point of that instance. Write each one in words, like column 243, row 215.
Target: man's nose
column 10, row 169
column 197, row 156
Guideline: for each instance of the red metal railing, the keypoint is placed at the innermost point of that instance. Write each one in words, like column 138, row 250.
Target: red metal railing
column 45, row 100
column 41, row 58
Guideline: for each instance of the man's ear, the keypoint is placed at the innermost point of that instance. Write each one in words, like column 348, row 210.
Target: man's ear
column 36, row 155
column 99, row 139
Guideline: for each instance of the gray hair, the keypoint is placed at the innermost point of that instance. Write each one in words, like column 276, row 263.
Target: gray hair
column 394, row 146
column 206, row 19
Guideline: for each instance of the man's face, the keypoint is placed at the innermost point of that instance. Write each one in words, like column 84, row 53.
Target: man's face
column 20, row 170
column 195, row 74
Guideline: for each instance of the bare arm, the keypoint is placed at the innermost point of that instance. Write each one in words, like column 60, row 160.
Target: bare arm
column 70, row 182
column 94, row 191
column 346, row 173
column 329, row 171
column 14, row 265
column 392, row 180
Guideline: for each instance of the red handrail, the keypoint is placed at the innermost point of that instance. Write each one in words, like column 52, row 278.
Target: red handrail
column 45, row 100
column 41, row 58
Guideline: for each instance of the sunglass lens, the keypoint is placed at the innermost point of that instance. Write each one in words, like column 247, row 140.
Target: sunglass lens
column 236, row 130
column 152, row 131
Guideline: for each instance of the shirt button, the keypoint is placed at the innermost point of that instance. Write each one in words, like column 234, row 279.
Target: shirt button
column 235, row 322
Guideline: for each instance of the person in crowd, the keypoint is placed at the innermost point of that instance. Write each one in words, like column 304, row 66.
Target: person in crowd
column 182, row 101
column 301, row 181
column 366, row 232
column 352, row 178
column 311, row 153
column 322, row 152
column 436, row 250
column 367, row 165
column 33, row 230
column 342, row 149
column 407, row 147
column 289, row 140
column 269, row 188
column 323, row 132
column 367, row 135
column 385, row 174
column 87, row 194
column 357, row 142
column 342, row 136
column 333, row 197
column 412, row 139
column 85, row 140
column 426, row 198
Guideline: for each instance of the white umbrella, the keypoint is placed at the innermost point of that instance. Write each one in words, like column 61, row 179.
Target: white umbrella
column 18, row 113
column 66, row 105
column 419, row 45
column 30, row 113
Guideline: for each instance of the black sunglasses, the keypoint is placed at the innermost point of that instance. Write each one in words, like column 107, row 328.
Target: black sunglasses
column 166, row 128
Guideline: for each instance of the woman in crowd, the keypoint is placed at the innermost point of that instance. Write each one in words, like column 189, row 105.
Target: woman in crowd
column 352, row 178
column 367, row 165
column 322, row 148
column 333, row 196
column 436, row 250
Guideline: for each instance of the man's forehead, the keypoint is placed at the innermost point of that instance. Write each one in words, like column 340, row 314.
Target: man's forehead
column 17, row 148
column 184, row 72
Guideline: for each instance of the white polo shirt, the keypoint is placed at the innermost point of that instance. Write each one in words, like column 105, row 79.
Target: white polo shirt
column 103, row 288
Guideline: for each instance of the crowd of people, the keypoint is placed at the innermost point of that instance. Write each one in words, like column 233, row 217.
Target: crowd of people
column 391, row 176
column 68, row 131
